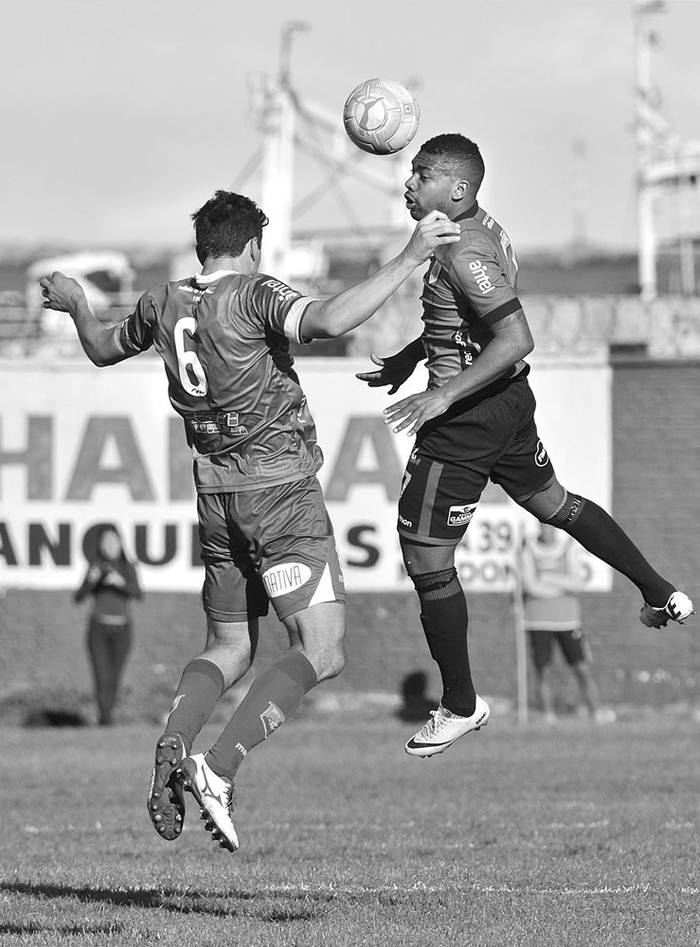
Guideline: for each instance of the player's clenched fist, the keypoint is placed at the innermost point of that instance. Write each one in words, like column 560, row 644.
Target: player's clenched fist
column 432, row 231
column 60, row 292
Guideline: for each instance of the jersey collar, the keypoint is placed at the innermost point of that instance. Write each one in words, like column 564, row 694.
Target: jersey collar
column 203, row 280
column 472, row 212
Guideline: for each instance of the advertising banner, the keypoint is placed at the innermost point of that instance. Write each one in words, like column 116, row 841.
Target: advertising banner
column 81, row 446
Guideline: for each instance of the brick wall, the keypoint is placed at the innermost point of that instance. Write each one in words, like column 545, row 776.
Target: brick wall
column 656, row 497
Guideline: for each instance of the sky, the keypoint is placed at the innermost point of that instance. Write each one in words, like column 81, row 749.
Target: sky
column 120, row 119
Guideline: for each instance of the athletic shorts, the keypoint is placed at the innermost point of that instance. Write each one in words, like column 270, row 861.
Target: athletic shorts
column 573, row 646
column 275, row 544
column 493, row 436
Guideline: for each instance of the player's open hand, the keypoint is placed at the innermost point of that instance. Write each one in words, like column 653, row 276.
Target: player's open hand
column 433, row 231
column 393, row 370
column 414, row 411
column 60, row 292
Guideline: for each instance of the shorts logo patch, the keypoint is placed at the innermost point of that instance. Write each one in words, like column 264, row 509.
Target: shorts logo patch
column 286, row 577
column 541, row 455
column 271, row 719
column 461, row 514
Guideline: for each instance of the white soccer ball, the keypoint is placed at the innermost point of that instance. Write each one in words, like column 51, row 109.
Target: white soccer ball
column 381, row 116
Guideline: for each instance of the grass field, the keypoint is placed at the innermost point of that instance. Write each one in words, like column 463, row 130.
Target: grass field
column 517, row 836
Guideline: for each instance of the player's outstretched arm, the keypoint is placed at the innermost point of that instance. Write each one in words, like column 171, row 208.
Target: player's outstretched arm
column 394, row 369
column 100, row 343
column 328, row 318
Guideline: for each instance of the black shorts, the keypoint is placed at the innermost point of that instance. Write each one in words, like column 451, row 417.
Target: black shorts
column 573, row 646
column 491, row 436
column 274, row 544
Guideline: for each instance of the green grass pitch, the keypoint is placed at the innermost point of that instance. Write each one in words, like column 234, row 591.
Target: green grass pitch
column 575, row 835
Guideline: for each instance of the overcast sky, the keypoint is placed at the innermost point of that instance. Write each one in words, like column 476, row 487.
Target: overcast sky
column 121, row 118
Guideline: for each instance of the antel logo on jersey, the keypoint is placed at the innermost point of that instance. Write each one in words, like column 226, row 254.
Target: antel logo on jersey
column 286, row 577
column 541, row 456
column 481, row 277
column 460, row 515
column 283, row 291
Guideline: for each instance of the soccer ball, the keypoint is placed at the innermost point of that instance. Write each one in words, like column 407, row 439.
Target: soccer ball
column 381, row 116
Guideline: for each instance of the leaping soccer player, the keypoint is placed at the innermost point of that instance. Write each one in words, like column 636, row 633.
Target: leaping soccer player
column 264, row 530
column 476, row 422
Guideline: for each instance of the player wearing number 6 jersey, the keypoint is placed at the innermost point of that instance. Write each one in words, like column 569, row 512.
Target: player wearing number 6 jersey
column 265, row 534
column 476, row 421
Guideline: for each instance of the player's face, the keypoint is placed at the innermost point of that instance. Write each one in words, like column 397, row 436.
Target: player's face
column 431, row 186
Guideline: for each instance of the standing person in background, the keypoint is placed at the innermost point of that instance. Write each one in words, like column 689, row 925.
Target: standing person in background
column 112, row 582
column 551, row 576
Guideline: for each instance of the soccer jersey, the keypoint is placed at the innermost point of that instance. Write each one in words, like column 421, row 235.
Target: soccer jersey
column 469, row 286
column 224, row 340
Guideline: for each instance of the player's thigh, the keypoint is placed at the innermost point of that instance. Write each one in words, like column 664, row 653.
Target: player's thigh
column 437, row 500
column 574, row 646
column 296, row 553
column 233, row 591
column 524, row 468
column 420, row 558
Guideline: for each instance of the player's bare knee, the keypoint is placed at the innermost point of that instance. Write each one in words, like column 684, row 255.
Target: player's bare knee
column 327, row 663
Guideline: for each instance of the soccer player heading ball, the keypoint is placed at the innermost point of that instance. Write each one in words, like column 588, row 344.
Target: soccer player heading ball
column 476, row 422
column 265, row 534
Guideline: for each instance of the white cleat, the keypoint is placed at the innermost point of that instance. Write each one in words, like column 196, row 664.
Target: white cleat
column 215, row 797
column 444, row 728
column 677, row 608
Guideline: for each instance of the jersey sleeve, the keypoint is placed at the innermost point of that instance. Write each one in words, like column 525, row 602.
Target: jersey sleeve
column 278, row 306
column 477, row 272
column 136, row 331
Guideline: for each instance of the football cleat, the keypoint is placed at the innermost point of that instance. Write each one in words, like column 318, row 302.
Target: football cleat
column 444, row 728
column 677, row 608
column 214, row 795
column 166, row 801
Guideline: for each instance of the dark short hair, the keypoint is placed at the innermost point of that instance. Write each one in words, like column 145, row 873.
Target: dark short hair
column 225, row 224
column 458, row 153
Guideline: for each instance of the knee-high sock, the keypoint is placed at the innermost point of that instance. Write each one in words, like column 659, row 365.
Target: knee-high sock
column 445, row 618
column 273, row 697
column 598, row 532
column 200, row 687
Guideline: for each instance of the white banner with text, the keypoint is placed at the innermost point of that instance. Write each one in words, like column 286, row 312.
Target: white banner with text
column 81, row 446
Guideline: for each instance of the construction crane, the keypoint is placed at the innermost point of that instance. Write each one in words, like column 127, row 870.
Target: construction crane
column 665, row 163
column 289, row 123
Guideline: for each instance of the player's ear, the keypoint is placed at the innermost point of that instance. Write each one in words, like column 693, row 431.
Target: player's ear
column 253, row 249
column 460, row 190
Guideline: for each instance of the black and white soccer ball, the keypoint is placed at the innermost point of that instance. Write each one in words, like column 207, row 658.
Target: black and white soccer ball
column 381, row 116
